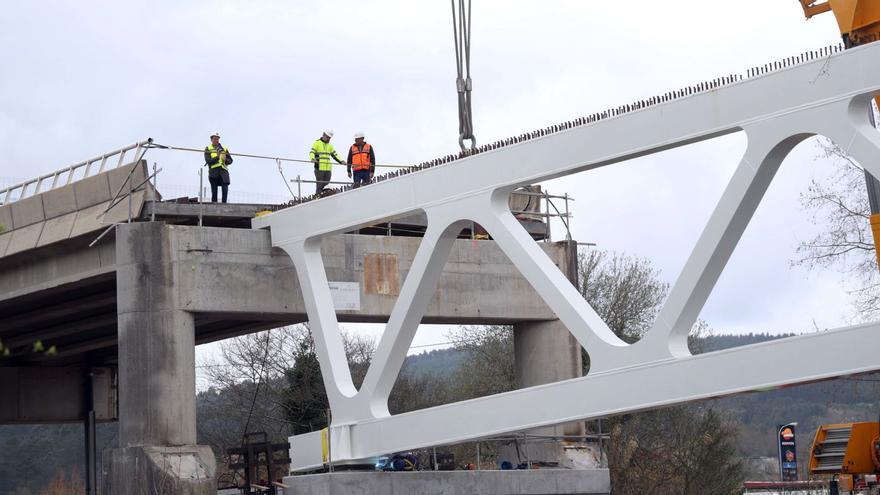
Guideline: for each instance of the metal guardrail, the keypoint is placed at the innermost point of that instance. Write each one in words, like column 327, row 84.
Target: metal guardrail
column 70, row 174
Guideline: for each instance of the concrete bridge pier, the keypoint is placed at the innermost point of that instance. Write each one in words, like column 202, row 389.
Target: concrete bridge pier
column 546, row 352
column 157, row 408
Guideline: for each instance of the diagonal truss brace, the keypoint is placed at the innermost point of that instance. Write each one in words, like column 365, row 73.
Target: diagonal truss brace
column 776, row 111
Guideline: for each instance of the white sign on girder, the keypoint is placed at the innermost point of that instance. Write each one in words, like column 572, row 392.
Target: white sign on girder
column 346, row 296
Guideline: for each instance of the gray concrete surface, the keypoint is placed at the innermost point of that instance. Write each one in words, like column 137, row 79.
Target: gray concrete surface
column 25, row 390
column 234, row 282
column 24, row 238
column 69, row 211
column 532, row 482
column 5, row 219
column 187, row 470
column 26, row 212
column 59, row 202
column 157, row 389
column 545, row 352
column 156, row 342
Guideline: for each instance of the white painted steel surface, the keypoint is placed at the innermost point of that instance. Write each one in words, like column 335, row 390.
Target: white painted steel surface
column 830, row 96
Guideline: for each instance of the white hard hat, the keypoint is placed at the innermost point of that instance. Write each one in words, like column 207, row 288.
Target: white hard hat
column 329, row 132
column 358, row 135
column 215, row 134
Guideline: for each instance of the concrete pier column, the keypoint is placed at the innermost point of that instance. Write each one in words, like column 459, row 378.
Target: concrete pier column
column 157, row 408
column 546, row 352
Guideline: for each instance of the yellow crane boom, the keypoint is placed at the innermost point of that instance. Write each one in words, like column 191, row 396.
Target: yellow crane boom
column 859, row 20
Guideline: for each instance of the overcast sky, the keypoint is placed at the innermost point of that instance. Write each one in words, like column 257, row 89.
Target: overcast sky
column 81, row 78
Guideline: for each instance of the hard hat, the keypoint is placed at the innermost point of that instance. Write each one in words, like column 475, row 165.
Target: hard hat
column 215, row 134
column 329, row 132
column 358, row 135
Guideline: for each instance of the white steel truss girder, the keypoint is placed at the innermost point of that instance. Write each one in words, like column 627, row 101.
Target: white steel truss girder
column 830, row 96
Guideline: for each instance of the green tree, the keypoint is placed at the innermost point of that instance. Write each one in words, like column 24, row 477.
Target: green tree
column 270, row 381
column 305, row 397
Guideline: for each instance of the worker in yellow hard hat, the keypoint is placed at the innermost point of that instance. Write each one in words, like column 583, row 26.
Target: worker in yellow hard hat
column 362, row 160
column 320, row 154
column 217, row 159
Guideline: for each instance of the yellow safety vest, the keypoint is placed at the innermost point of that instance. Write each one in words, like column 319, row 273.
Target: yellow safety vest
column 322, row 151
column 215, row 154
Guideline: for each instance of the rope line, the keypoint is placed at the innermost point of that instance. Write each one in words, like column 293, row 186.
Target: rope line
column 250, row 155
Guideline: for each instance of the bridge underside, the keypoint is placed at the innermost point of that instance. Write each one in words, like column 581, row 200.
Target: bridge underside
column 67, row 298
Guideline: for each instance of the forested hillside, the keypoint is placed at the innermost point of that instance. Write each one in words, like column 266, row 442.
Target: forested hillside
column 30, row 456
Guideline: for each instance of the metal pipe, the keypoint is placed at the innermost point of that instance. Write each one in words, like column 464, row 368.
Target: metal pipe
column 153, row 193
column 314, row 181
column 137, row 187
column 130, row 192
column 547, row 216
column 108, row 229
column 90, row 437
column 527, row 212
column 328, row 413
column 299, row 186
column 126, row 181
column 588, row 436
column 540, row 195
column 201, row 193
column 566, row 223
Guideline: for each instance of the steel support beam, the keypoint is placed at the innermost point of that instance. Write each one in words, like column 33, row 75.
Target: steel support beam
column 829, row 95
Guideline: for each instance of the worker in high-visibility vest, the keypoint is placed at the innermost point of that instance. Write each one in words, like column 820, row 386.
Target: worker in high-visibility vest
column 320, row 154
column 362, row 160
column 217, row 159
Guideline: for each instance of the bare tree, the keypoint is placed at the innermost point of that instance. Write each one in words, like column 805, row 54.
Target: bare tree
column 687, row 450
column 250, row 383
column 487, row 367
column 625, row 291
column 840, row 205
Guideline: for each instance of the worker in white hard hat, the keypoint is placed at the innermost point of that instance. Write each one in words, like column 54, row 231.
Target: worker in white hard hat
column 362, row 160
column 217, row 159
column 320, row 154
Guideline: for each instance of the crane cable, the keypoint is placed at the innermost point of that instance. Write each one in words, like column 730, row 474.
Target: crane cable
column 461, row 30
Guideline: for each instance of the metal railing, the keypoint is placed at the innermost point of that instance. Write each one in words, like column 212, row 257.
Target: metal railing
column 119, row 197
column 69, row 174
column 541, row 212
column 544, row 211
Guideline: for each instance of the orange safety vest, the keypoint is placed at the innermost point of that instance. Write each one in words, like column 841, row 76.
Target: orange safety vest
column 360, row 159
